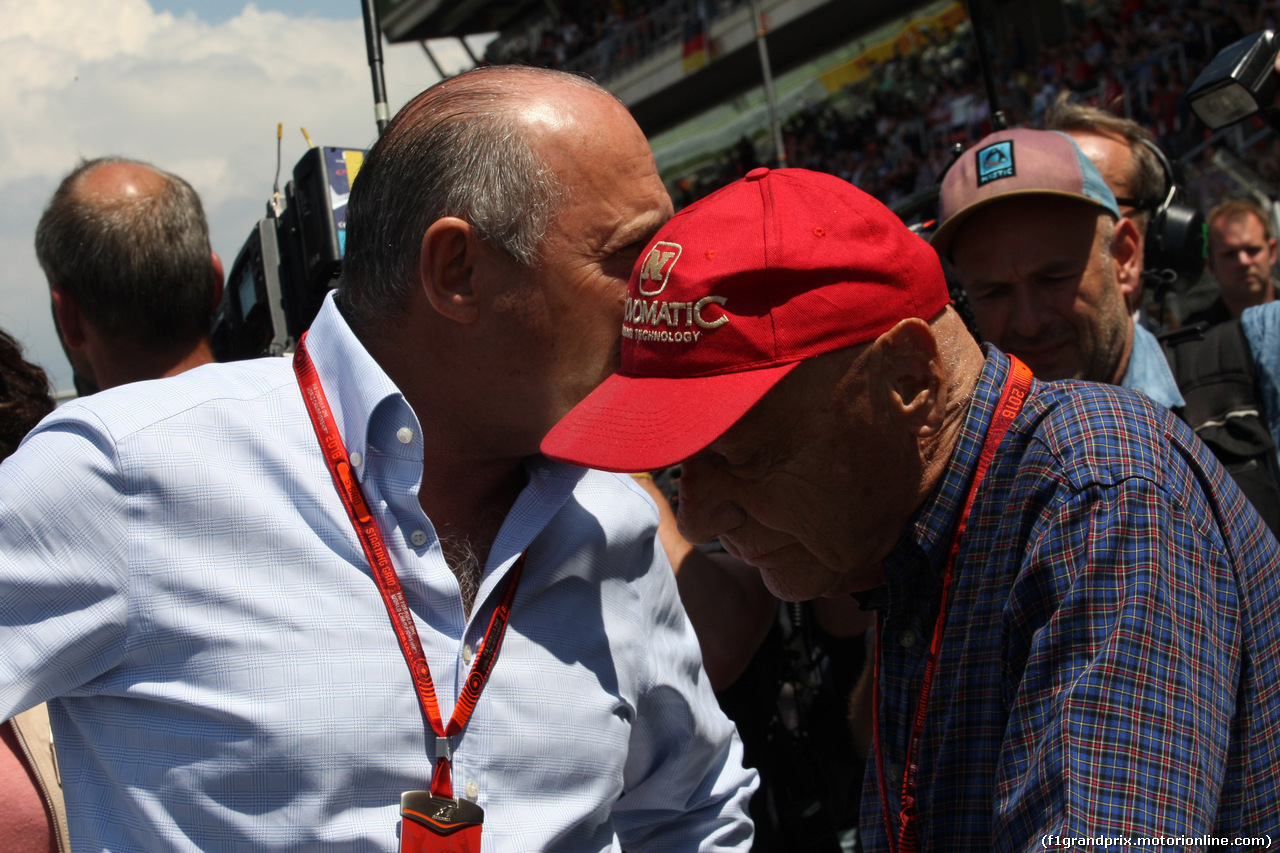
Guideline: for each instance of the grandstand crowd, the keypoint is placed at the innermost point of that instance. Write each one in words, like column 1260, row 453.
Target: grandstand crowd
column 895, row 133
column 892, row 134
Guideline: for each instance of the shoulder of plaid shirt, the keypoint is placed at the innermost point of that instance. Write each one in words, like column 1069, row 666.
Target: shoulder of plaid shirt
column 1111, row 659
column 178, row 576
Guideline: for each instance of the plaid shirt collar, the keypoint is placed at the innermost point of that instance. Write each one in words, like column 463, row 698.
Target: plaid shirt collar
column 913, row 570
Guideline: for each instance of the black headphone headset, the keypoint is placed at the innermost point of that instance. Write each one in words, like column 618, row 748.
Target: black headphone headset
column 1175, row 240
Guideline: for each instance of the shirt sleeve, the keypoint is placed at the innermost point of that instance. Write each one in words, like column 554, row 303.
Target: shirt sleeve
column 63, row 553
column 685, row 788
column 1261, row 324
column 1120, row 672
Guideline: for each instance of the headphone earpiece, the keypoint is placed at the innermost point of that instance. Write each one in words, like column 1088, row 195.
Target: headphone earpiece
column 1175, row 237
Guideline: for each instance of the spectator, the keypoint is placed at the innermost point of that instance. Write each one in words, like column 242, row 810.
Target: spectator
column 1080, row 614
column 1223, row 383
column 134, row 283
column 1242, row 255
column 1046, row 260
column 1120, row 149
column 219, row 552
column 791, row 676
column 32, row 815
column 24, row 395
column 1173, row 46
column 140, row 304
column 1044, row 256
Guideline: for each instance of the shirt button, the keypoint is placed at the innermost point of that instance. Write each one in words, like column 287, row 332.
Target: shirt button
column 467, row 653
column 907, row 639
column 418, row 538
column 473, row 789
column 357, row 459
column 405, row 435
column 895, row 773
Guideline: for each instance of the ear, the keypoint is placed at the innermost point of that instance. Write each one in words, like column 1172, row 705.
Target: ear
column 219, row 280
column 913, row 376
column 446, row 267
column 66, row 314
column 1126, row 255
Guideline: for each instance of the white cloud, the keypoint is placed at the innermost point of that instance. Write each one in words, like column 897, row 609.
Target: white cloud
column 114, row 77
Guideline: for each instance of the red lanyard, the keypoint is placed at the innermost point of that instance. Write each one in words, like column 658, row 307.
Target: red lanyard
column 1014, row 394
column 384, row 575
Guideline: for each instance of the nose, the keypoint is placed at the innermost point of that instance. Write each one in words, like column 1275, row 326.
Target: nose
column 1027, row 319
column 705, row 510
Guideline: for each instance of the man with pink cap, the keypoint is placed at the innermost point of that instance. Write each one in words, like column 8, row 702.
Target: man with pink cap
column 1050, row 268
column 1073, row 641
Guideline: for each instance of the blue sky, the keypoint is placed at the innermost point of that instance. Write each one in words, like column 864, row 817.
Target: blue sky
column 196, row 87
column 218, row 11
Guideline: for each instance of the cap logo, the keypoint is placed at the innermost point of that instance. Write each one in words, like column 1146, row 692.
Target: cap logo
column 995, row 162
column 657, row 267
column 683, row 320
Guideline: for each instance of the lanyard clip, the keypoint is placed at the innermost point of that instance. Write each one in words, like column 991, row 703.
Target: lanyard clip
column 444, row 748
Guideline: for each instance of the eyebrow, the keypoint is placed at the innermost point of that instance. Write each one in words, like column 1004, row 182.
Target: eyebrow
column 637, row 231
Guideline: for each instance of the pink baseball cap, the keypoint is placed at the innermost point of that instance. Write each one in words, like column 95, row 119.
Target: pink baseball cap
column 730, row 296
column 1017, row 162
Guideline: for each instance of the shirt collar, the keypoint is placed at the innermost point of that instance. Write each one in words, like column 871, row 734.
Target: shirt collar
column 919, row 558
column 364, row 400
column 1149, row 373
column 353, row 382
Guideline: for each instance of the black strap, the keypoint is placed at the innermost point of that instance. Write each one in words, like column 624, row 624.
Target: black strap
column 1214, row 369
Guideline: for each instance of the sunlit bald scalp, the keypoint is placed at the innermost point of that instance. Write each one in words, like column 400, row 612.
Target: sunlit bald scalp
column 131, row 244
column 464, row 148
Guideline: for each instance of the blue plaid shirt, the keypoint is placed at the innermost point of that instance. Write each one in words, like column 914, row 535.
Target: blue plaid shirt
column 1111, row 658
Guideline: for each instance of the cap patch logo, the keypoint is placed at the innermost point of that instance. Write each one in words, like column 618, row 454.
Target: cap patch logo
column 657, row 267
column 995, row 162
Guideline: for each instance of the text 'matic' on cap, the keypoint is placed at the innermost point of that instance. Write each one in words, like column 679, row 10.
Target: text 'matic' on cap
column 730, row 296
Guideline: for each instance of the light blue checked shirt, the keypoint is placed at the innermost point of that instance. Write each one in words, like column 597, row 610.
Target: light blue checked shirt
column 1149, row 371
column 1261, row 324
column 179, row 578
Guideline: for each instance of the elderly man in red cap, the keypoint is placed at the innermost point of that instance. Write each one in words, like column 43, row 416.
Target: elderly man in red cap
column 1073, row 642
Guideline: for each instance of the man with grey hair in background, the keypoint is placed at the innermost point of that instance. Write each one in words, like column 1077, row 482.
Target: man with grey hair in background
column 133, row 283
column 1123, row 151
column 133, row 280
column 331, row 601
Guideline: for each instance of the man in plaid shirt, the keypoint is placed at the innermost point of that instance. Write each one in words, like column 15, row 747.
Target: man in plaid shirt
column 1079, row 611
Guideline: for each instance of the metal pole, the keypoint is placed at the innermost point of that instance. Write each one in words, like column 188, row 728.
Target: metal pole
column 432, row 57
column 475, row 60
column 977, row 16
column 373, row 46
column 770, row 97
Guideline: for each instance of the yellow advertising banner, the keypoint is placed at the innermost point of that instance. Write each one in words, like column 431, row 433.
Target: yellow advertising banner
column 910, row 37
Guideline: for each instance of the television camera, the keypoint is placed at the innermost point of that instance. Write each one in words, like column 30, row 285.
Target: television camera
column 290, row 261
column 293, row 255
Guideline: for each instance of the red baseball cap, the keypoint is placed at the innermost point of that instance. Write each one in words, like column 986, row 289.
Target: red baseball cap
column 730, row 296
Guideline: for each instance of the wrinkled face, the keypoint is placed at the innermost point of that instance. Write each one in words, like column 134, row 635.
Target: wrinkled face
column 565, row 314
column 1043, row 285
column 805, row 486
column 1240, row 258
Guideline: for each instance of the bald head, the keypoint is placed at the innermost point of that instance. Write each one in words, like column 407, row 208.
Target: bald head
column 478, row 147
column 130, row 244
column 119, row 182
